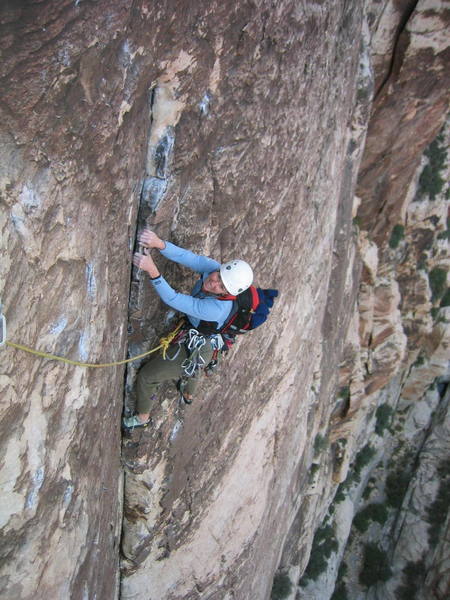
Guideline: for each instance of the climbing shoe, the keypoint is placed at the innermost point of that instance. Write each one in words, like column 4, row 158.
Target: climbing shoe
column 181, row 385
column 133, row 422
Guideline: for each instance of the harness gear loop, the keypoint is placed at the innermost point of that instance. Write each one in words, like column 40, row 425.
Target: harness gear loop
column 164, row 344
column 194, row 342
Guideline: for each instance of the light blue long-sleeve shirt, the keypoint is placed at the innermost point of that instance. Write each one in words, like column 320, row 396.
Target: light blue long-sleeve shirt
column 199, row 306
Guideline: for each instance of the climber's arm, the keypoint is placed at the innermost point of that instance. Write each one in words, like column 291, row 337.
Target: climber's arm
column 196, row 262
column 208, row 309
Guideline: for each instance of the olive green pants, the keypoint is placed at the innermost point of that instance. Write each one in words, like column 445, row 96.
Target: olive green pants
column 158, row 370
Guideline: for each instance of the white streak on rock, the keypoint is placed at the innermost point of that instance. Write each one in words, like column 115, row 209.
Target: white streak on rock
column 29, row 198
column 128, row 55
column 176, row 430
column 35, row 433
column 126, row 48
column 11, row 501
column 124, row 108
column 85, row 592
column 91, row 282
column 60, row 325
column 37, row 481
column 215, row 76
column 18, row 220
column 64, row 57
column 83, row 346
column 169, row 316
column 68, row 495
column 204, row 104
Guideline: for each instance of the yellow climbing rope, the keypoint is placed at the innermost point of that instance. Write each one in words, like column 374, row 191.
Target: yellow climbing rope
column 164, row 345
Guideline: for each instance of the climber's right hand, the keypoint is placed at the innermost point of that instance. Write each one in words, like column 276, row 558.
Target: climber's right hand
column 145, row 262
column 149, row 239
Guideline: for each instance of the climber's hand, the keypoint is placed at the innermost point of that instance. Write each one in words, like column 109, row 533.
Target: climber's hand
column 145, row 262
column 151, row 240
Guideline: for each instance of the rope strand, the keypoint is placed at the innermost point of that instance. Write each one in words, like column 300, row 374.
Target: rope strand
column 164, row 345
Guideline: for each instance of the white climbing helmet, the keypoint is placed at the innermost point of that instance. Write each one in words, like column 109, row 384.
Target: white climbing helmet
column 237, row 276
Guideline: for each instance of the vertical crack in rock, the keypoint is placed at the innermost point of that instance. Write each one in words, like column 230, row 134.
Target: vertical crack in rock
column 165, row 111
column 406, row 15
column 145, row 486
column 406, row 116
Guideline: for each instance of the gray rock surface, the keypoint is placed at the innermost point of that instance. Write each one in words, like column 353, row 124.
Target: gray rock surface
column 253, row 102
column 234, row 129
column 66, row 190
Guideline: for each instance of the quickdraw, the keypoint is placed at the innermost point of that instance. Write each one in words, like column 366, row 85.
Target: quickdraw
column 194, row 341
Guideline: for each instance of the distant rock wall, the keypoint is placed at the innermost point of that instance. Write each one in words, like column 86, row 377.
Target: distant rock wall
column 378, row 538
column 226, row 128
column 408, row 111
column 397, row 417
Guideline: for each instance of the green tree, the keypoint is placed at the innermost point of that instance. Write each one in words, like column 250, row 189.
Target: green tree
column 430, row 181
column 398, row 233
column 324, row 544
column 373, row 512
column 438, row 509
column 281, row 587
column 413, row 578
column 375, row 566
column 438, row 283
column 383, row 418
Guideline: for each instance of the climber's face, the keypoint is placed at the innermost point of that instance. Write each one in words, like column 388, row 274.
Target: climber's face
column 213, row 284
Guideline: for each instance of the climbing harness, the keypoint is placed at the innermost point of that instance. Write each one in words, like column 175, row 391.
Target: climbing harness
column 194, row 343
column 163, row 345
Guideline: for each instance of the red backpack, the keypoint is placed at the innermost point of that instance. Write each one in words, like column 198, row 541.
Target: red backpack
column 250, row 309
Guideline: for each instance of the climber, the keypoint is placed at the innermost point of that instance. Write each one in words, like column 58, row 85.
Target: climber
column 207, row 308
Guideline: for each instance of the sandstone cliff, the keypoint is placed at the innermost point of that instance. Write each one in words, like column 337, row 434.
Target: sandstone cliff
column 234, row 129
column 381, row 536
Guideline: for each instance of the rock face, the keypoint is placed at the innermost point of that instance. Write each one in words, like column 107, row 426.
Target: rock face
column 67, row 207
column 380, row 536
column 233, row 129
column 408, row 112
column 231, row 126
column 211, row 491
